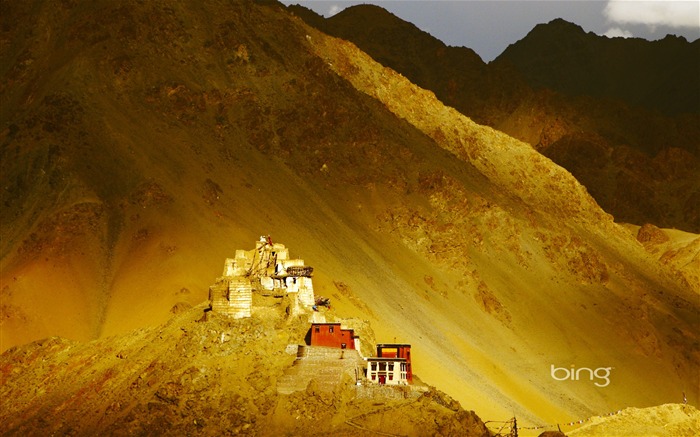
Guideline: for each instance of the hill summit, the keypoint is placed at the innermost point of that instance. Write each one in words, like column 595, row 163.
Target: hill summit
column 660, row 74
column 208, row 377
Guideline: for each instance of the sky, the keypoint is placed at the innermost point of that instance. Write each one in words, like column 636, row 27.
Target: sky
column 489, row 26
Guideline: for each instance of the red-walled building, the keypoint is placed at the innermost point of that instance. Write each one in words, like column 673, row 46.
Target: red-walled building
column 332, row 335
column 391, row 350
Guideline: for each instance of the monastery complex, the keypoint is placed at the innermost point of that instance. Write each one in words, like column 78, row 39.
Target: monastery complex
column 266, row 270
column 331, row 351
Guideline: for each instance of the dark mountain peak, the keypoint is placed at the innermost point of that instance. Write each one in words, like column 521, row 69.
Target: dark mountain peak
column 371, row 15
column 381, row 23
column 675, row 38
column 549, row 36
column 660, row 75
column 308, row 15
column 558, row 25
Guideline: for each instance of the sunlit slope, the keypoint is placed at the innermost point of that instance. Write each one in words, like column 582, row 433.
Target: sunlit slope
column 639, row 165
column 546, row 257
column 168, row 136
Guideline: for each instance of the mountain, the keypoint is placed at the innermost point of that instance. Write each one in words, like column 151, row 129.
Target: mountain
column 661, row 75
column 457, row 75
column 143, row 143
column 640, row 166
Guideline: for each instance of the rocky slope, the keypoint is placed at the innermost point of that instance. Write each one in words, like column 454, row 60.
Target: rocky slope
column 199, row 376
column 143, row 143
column 639, row 165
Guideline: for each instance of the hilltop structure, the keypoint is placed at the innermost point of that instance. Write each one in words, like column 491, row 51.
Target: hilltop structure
column 391, row 366
column 266, row 270
column 333, row 335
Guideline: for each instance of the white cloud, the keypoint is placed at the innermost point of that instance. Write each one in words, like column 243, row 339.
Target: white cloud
column 334, row 10
column 615, row 32
column 673, row 13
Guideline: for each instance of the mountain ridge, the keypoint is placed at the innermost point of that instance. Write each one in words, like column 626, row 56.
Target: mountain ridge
column 659, row 74
column 489, row 259
column 623, row 154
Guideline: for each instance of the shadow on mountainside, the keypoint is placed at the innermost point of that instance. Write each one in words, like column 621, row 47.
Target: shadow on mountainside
column 640, row 165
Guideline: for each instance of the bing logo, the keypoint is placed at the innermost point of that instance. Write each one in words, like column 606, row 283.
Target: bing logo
column 601, row 375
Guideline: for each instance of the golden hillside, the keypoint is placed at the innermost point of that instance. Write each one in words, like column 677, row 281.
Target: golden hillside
column 143, row 143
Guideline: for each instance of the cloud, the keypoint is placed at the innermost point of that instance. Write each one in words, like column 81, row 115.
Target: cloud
column 334, row 9
column 615, row 32
column 673, row 13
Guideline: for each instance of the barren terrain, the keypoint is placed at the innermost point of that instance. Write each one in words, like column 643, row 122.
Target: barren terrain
column 620, row 114
column 142, row 144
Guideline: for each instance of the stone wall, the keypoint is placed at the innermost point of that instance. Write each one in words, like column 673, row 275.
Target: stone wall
column 240, row 296
column 233, row 297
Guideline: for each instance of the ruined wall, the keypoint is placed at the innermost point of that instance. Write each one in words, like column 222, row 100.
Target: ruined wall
column 233, row 297
column 267, row 270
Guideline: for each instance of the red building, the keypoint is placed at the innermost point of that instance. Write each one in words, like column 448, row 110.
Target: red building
column 390, row 350
column 332, row 335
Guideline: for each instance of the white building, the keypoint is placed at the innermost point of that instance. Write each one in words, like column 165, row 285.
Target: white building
column 389, row 371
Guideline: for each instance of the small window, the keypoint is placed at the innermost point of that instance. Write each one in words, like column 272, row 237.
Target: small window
column 391, row 367
column 391, row 377
column 330, row 329
column 317, row 329
column 374, row 377
column 374, row 367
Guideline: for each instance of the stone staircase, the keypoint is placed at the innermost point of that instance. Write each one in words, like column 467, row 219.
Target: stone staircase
column 324, row 364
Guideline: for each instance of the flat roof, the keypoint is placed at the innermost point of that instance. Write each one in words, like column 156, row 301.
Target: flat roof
column 393, row 345
column 385, row 359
